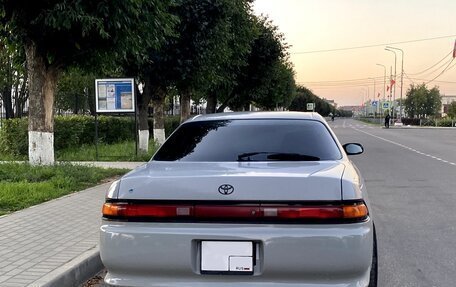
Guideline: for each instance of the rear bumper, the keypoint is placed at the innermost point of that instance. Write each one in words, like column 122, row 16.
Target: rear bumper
column 168, row 254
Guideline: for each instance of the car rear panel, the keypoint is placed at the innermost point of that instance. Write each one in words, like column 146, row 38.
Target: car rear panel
column 168, row 254
column 252, row 181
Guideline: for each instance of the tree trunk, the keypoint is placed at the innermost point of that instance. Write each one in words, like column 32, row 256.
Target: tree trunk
column 7, row 92
column 42, row 85
column 158, row 101
column 211, row 105
column 22, row 97
column 7, row 102
column 143, row 106
column 185, row 105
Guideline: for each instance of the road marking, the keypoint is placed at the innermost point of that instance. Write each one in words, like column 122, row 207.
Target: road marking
column 406, row 147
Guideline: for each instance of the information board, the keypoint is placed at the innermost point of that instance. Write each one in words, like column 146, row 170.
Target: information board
column 115, row 95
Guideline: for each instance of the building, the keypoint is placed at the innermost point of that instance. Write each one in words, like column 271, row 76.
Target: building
column 446, row 102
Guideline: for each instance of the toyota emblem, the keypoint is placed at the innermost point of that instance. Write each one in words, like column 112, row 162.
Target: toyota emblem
column 226, row 189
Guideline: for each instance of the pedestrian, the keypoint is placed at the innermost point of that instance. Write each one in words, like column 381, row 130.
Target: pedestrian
column 387, row 121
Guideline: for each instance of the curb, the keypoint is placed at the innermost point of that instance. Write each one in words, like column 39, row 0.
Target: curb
column 75, row 272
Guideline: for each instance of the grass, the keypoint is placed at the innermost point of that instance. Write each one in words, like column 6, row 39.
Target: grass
column 22, row 185
column 124, row 151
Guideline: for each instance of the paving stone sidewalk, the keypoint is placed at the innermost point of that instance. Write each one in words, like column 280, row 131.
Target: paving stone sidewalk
column 39, row 243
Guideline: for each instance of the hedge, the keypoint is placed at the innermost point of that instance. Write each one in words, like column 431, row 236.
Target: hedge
column 444, row 122
column 76, row 130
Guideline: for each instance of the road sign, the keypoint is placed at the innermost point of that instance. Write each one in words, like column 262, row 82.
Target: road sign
column 386, row 105
column 374, row 103
column 115, row 95
column 310, row 106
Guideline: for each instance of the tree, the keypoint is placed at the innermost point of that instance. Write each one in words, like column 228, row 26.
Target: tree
column 452, row 110
column 267, row 51
column 278, row 90
column 75, row 91
column 59, row 34
column 202, row 46
column 13, row 77
column 242, row 33
column 421, row 102
column 305, row 96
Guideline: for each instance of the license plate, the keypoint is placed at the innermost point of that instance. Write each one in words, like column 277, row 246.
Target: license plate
column 227, row 257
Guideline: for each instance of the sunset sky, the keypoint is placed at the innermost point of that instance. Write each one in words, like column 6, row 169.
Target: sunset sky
column 314, row 25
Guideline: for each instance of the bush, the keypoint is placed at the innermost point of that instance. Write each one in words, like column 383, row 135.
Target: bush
column 445, row 123
column 410, row 122
column 69, row 131
column 428, row 122
column 171, row 123
column 76, row 130
column 14, row 137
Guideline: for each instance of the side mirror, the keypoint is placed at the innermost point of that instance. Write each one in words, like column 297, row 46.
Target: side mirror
column 353, row 148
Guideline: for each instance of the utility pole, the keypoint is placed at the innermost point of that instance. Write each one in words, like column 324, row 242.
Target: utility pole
column 376, row 109
column 394, row 92
column 391, row 94
column 402, row 80
column 384, row 79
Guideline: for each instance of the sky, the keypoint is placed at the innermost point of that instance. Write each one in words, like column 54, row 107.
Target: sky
column 311, row 26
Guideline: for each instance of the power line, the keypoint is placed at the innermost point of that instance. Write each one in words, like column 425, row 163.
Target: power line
column 371, row 46
column 443, row 71
column 436, row 70
column 409, row 78
column 433, row 65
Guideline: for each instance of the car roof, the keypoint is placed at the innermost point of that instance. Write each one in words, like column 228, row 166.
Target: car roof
column 258, row 115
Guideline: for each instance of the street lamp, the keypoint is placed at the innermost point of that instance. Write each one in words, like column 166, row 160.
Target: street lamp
column 394, row 91
column 402, row 78
column 384, row 79
column 366, row 109
column 373, row 100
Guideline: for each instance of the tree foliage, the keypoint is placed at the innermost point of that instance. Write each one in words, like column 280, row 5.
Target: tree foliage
column 70, row 32
column 452, row 110
column 13, row 77
column 75, row 91
column 267, row 61
column 422, row 102
column 305, row 96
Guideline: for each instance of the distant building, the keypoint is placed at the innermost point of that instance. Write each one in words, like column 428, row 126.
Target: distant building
column 446, row 101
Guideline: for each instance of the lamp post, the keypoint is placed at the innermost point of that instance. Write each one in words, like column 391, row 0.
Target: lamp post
column 366, row 109
column 402, row 78
column 394, row 91
column 384, row 79
column 373, row 98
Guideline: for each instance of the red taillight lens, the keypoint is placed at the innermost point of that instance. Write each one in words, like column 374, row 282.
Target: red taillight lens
column 305, row 212
column 146, row 210
column 258, row 212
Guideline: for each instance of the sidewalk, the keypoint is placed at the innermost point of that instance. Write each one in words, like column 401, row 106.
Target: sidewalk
column 54, row 243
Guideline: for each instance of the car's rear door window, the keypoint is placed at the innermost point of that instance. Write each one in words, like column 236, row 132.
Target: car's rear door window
column 250, row 140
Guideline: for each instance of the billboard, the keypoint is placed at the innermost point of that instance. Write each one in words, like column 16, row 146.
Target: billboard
column 114, row 95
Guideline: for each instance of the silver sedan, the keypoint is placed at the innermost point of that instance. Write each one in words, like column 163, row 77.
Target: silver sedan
column 251, row 199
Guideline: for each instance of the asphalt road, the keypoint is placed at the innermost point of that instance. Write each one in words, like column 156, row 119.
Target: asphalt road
column 411, row 180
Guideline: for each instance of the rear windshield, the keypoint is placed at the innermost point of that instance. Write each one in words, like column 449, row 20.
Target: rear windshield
column 250, row 140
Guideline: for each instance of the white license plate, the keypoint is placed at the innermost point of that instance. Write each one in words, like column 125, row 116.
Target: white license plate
column 227, row 257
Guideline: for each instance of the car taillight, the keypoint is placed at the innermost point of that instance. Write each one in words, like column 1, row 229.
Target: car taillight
column 126, row 210
column 251, row 212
